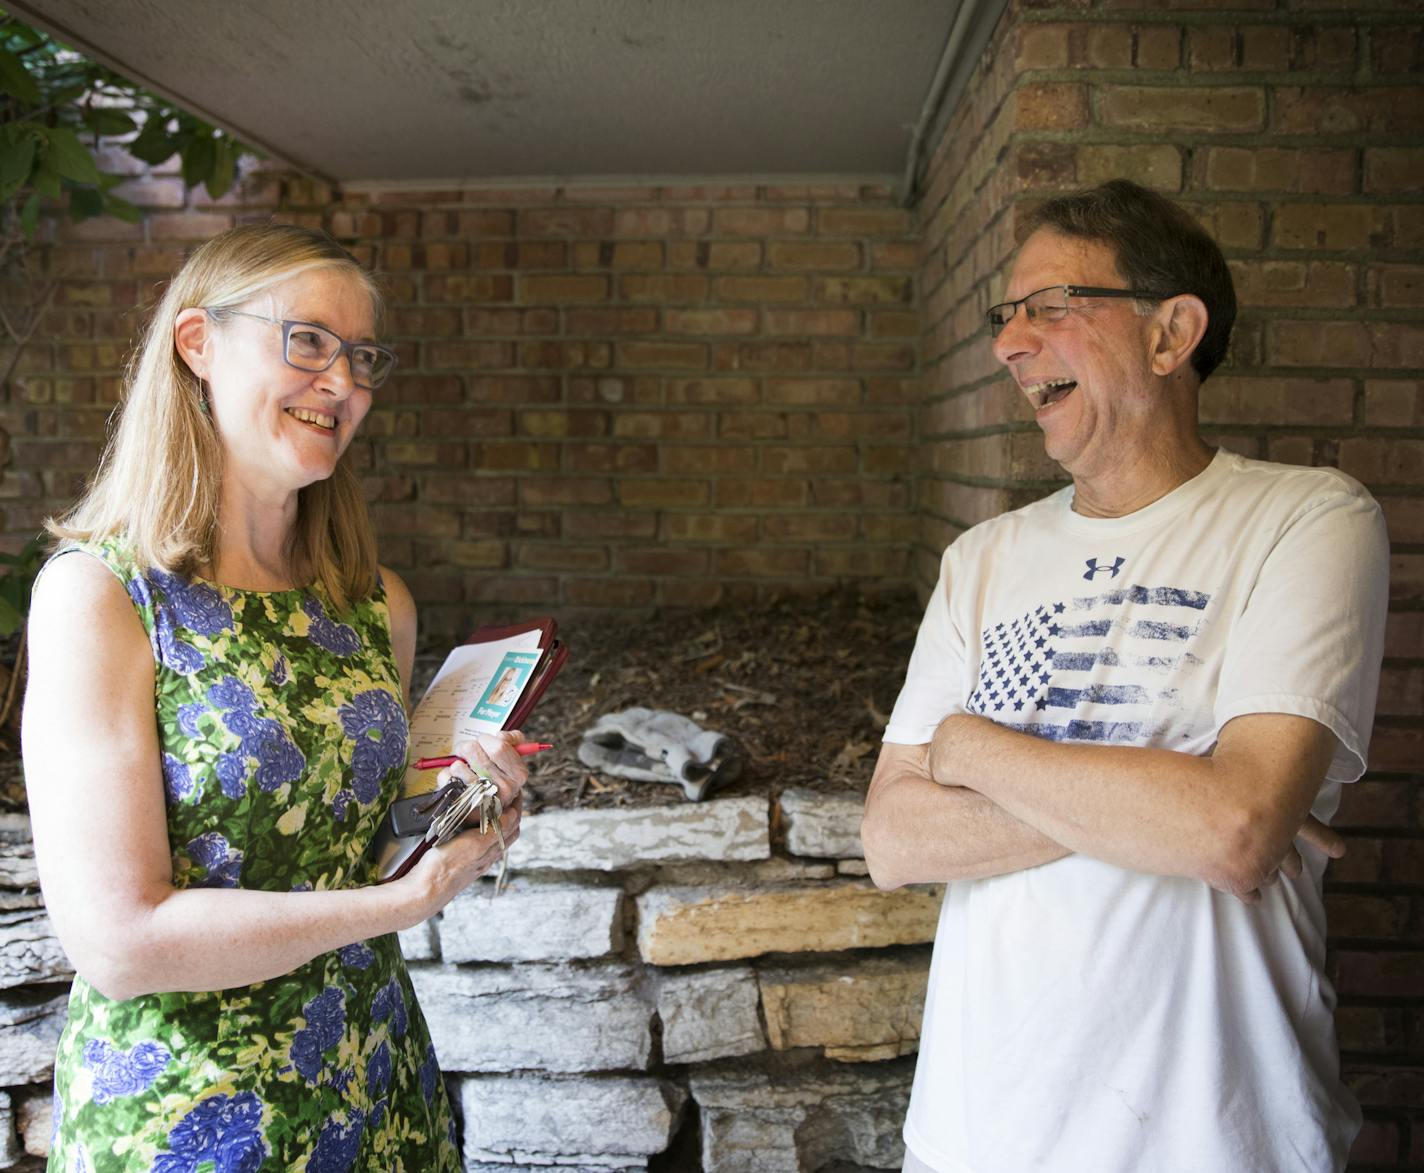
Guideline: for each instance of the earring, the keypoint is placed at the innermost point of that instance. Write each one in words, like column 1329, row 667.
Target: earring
column 203, row 398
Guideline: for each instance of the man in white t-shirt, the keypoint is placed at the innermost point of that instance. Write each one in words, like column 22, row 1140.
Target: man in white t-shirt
column 1125, row 724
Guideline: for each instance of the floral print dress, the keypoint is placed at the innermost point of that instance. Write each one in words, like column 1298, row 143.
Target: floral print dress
column 283, row 741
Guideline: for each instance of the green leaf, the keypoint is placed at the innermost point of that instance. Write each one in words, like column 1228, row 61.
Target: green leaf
column 109, row 123
column 16, row 81
column 69, row 157
column 30, row 215
column 122, row 209
column 46, row 182
column 198, row 159
column 85, row 202
column 10, row 618
column 154, row 144
column 224, row 169
column 16, row 161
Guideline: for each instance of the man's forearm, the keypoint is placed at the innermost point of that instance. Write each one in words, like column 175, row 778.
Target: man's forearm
column 915, row 831
column 1149, row 810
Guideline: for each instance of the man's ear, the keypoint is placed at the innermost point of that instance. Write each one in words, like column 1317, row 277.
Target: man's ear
column 1181, row 322
column 193, row 338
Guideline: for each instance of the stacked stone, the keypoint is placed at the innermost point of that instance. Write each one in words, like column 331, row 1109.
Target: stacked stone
column 651, row 974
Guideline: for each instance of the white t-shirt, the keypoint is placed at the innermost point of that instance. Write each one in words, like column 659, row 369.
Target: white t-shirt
column 1085, row 1017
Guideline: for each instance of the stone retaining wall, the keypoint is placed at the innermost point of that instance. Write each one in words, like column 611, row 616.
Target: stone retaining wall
column 717, row 978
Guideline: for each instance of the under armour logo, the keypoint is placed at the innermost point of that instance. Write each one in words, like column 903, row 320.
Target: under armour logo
column 1094, row 568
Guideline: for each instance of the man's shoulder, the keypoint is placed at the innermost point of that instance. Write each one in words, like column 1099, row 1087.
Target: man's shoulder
column 1297, row 486
column 1013, row 524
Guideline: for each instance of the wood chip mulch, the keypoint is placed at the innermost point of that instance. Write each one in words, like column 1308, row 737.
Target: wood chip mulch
column 803, row 686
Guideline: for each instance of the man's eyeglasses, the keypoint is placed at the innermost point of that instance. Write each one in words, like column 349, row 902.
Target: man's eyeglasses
column 1053, row 303
column 310, row 347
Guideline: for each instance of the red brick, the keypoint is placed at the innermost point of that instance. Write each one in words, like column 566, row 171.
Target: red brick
column 1153, row 165
column 467, row 355
column 761, row 289
column 1318, row 344
column 864, row 290
column 663, row 493
column 608, row 592
column 660, row 222
column 1040, row 46
column 464, row 288
column 763, row 356
column 1394, row 403
column 708, row 527
column 662, row 425
column 1329, row 226
column 809, row 527
column 560, row 290
column 538, row 491
column 1377, row 1143
column 1211, row 49
column 864, row 222
column 669, row 289
column 543, row 556
column 514, row 389
column 1215, row 109
column 446, row 488
column 761, row 221
column 861, row 562
column 1391, row 170
column 1324, row 284
column 657, row 561
column 720, row 321
column 598, row 322
column 1325, row 110
column 554, row 423
column 808, row 461
column 806, row 322
column 1384, row 975
column 571, row 222
column 662, row 355
column 763, row 563
column 1267, row 48
column 713, row 391
column 565, row 355
column 610, row 458
column 761, row 494
column 813, row 256
column 708, row 460
column 1050, row 106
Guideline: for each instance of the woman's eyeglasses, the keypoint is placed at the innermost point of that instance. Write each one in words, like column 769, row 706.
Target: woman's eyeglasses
column 310, row 347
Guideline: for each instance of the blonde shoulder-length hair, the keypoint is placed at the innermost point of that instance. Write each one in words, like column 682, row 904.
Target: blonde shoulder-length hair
column 158, row 481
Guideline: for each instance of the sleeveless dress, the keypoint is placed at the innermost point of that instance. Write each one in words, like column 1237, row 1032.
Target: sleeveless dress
column 283, row 741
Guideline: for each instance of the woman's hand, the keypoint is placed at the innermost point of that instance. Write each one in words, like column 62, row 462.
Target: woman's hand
column 494, row 754
column 446, row 871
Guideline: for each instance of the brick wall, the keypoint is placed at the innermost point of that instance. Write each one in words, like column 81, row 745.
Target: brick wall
column 608, row 398
column 1292, row 129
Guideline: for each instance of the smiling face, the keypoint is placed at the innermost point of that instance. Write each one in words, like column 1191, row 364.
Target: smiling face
column 1088, row 375
column 283, row 428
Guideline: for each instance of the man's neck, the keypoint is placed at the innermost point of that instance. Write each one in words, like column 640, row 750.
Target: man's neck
column 1135, row 483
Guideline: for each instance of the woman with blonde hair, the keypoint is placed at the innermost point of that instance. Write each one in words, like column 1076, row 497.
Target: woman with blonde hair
column 214, row 727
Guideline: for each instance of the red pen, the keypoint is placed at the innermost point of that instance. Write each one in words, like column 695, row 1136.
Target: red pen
column 524, row 749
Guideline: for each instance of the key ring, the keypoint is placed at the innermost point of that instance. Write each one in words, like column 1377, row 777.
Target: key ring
column 459, row 800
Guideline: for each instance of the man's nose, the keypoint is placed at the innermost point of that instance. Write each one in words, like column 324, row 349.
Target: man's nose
column 1017, row 339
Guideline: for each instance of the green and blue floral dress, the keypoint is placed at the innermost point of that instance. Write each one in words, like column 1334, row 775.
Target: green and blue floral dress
column 283, row 740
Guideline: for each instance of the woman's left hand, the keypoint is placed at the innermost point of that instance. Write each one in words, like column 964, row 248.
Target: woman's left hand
column 494, row 754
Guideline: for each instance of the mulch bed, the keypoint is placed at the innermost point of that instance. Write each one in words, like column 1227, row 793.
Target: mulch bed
column 802, row 685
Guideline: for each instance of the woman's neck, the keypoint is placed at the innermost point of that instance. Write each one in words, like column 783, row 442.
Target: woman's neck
column 255, row 542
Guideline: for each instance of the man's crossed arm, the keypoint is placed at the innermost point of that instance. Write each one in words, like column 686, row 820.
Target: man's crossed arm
column 981, row 800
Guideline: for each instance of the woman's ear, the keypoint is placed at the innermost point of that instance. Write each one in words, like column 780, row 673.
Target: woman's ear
column 1181, row 323
column 193, row 338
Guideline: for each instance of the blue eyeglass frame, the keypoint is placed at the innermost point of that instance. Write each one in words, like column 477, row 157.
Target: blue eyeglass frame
column 343, row 347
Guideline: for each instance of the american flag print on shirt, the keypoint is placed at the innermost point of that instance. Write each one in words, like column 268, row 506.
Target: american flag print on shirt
column 1091, row 668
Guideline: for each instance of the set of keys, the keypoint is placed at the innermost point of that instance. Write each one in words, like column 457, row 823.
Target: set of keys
column 455, row 803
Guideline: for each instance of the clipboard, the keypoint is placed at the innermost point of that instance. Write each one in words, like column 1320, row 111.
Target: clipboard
column 524, row 655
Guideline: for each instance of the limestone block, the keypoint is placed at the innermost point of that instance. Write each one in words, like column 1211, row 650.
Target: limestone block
column 710, row 1015
column 419, row 942
column 10, row 1150
column 607, row 1122
column 532, row 921
column 17, row 865
column 30, row 1026
column 824, row 826
column 606, row 840
column 686, row 925
column 36, row 1120
column 785, row 1122
column 29, row 950
column 852, row 867
column 867, row 1011
column 544, row 1017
